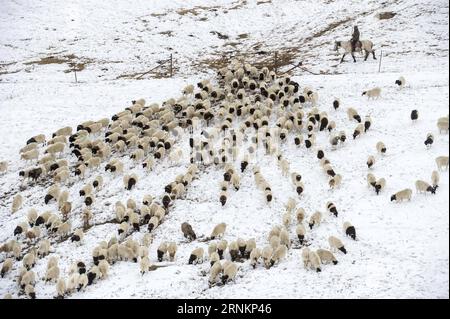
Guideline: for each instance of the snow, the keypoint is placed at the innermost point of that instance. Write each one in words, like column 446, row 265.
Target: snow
column 402, row 249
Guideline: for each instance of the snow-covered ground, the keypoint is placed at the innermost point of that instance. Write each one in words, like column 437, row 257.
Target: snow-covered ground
column 403, row 248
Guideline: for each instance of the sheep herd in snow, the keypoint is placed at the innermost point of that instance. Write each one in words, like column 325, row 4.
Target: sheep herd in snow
column 243, row 98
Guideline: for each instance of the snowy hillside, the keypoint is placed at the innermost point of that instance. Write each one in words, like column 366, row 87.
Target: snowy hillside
column 402, row 249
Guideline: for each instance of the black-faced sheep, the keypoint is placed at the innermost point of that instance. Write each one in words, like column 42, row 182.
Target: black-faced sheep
column 429, row 141
column 423, row 187
column 349, row 230
column 381, row 148
column 336, row 243
column 414, row 115
column 315, row 219
column 332, row 209
column 218, row 230
column 372, row 93
column 196, row 256
column 402, row 195
column 130, row 181
column 435, row 179
column 326, row 256
column 370, row 161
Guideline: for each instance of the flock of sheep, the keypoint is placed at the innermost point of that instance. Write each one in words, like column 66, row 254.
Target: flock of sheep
column 246, row 104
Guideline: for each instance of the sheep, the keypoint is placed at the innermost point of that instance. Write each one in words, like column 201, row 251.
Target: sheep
column 315, row 219
column 278, row 254
column 144, row 265
column 114, row 166
column 379, row 185
column 349, row 230
column 55, row 148
column 266, row 254
column 64, row 229
column 130, row 181
column 326, row 256
column 414, row 115
column 300, row 231
column 3, row 166
column 78, row 235
column 56, row 139
column 86, row 216
column 62, row 176
column 229, row 272
column 402, row 195
column 60, row 288
column 290, row 205
column 332, row 209
column 371, row 180
column 335, row 181
column 370, row 161
column 72, row 282
column 358, row 130
column 367, row 123
column 373, row 93
column 6, row 267
column 65, row 209
column 123, row 228
column 381, row 148
column 28, row 278
column 171, row 250
column 44, row 248
column 255, row 254
column 93, row 275
column 65, row 131
column 153, row 223
column 33, row 233
column 300, row 214
column 188, row 232
column 435, row 179
column 21, row 228
column 442, row 163
column 400, row 82
column 314, row 260
column 218, row 230
column 233, row 249
column 103, row 267
column 442, row 124
column 215, row 270
column 29, row 291
column 52, row 274
column 221, row 246
column 305, row 257
column 336, row 243
column 423, row 187
column 336, row 103
column 353, row 115
column 40, row 139
column 30, row 155
column 196, row 256
column 242, row 245
column 16, row 203
column 429, row 141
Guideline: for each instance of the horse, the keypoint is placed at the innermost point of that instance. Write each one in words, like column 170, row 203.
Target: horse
column 365, row 45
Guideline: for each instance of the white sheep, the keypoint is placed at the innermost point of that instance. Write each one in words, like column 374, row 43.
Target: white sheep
column 218, row 230
column 6, row 267
column 3, row 167
column 314, row 261
column 229, row 272
column 16, row 203
column 215, row 270
column 381, row 148
column 30, row 155
column 402, row 195
column 442, row 163
column 60, row 288
column 442, row 124
column 435, row 179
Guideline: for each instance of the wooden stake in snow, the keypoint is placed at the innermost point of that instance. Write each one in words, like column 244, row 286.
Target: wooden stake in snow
column 275, row 63
column 75, row 72
column 379, row 64
column 171, row 65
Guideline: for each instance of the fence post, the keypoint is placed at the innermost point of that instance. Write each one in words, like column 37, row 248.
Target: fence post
column 75, row 72
column 379, row 64
column 171, row 65
column 275, row 63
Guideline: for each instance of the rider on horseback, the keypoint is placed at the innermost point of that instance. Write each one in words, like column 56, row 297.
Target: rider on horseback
column 355, row 38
